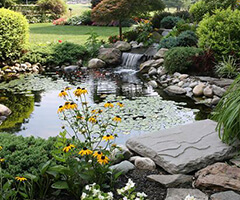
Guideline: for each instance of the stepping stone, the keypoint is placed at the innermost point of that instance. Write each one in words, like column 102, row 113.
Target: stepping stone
column 225, row 195
column 184, row 148
column 175, row 180
column 180, row 194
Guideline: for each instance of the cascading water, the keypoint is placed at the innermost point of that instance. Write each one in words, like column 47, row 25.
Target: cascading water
column 131, row 60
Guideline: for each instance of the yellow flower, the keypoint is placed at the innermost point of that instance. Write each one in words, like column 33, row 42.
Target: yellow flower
column 18, row 178
column 1, row 148
column 68, row 148
column 78, row 92
column 120, row 104
column 117, row 119
column 84, row 91
column 2, row 160
column 73, row 105
column 99, row 111
column 85, row 151
column 80, row 117
column 60, row 109
column 67, row 88
column 114, row 145
column 97, row 154
column 63, row 94
column 93, row 111
column 103, row 159
column 67, row 105
column 108, row 105
column 92, row 119
column 108, row 137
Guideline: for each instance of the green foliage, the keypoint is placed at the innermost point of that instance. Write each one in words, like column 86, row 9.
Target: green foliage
column 187, row 38
column 24, row 154
column 227, row 68
column 83, row 19
column 227, row 114
column 157, row 18
column 168, row 43
column 68, row 52
column 221, row 33
column 170, row 21
column 14, row 34
column 181, row 27
column 56, row 7
column 184, row 14
column 93, row 44
column 198, row 10
column 7, row 3
column 180, row 59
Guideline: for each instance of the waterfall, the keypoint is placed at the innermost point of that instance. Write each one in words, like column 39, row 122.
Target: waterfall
column 131, row 60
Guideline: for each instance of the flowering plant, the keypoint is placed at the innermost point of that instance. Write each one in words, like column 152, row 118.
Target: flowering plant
column 85, row 157
column 189, row 197
column 60, row 21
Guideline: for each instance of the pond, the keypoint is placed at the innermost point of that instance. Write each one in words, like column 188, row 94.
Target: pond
column 34, row 101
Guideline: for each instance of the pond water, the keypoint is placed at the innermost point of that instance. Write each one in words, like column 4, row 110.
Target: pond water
column 34, row 101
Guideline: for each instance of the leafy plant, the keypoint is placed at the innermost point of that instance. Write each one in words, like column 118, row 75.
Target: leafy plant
column 83, row 19
column 187, row 38
column 93, row 44
column 14, row 34
column 227, row 68
column 198, row 10
column 170, row 21
column 227, row 114
column 221, row 33
column 168, row 43
column 157, row 18
column 184, row 14
column 180, row 59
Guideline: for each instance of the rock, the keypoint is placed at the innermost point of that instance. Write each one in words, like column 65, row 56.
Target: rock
column 218, row 91
column 156, row 36
column 158, row 63
column 134, row 44
column 111, row 56
column 219, row 176
column 236, row 161
column 153, row 84
column 193, row 84
column 223, row 82
column 215, row 100
column 96, row 63
column 176, row 80
column 4, row 110
column 144, row 67
column 144, row 163
column 152, row 71
column 80, row 63
column 176, row 74
column 160, row 54
column 198, row 90
column 208, row 92
column 180, row 194
column 183, row 76
column 166, row 31
column 70, row 69
column 206, row 79
column 175, row 180
column 173, row 89
column 124, row 167
column 121, row 153
column 132, row 159
column 184, row 148
column 122, row 46
column 180, row 84
column 28, row 65
column 225, row 195
column 161, row 71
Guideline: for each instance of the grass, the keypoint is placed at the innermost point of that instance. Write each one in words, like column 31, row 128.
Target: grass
column 46, row 32
column 78, row 9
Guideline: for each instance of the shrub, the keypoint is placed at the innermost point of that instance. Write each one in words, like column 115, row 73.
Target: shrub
column 187, row 38
column 95, row 2
column 60, row 21
column 68, row 52
column 56, row 7
column 180, row 59
column 170, row 21
column 168, row 43
column 157, row 18
column 131, row 35
column 184, row 15
column 84, row 19
column 227, row 114
column 227, row 68
column 221, row 33
column 14, row 34
column 24, row 154
column 198, row 10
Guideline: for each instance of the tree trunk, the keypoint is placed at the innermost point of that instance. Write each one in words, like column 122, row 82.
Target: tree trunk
column 120, row 29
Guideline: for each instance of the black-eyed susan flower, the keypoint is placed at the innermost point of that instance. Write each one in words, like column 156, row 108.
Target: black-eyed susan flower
column 120, row 104
column 77, row 92
column 2, row 160
column 92, row 119
column 99, row 111
column 93, row 111
column 85, row 151
column 18, row 178
column 97, row 154
column 103, row 159
column 67, row 105
column 63, row 94
column 1, row 148
column 67, row 88
column 108, row 137
column 68, row 148
column 84, row 91
column 60, row 109
column 117, row 119
column 73, row 105
column 108, row 105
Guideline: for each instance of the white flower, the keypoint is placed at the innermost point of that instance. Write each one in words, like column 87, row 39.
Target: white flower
column 125, row 198
column 189, row 197
column 101, row 197
column 95, row 192
column 87, row 187
column 130, row 184
column 137, row 198
column 84, row 195
column 120, row 191
column 141, row 194
column 110, row 195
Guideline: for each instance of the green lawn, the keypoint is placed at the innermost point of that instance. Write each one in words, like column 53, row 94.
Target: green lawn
column 78, row 9
column 47, row 32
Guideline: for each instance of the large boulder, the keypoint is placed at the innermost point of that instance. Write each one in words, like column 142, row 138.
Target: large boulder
column 219, row 176
column 70, row 68
column 218, row 91
column 173, row 89
column 144, row 67
column 225, row 196
column 111, row 56
column 198, row 90
column 160, row 53
column 184, row 148
column 4, row 111
column 96, row 63
column 122, row 46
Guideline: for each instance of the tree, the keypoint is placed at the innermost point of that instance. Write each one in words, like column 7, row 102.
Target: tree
column 120, row 10
column 95, row 3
